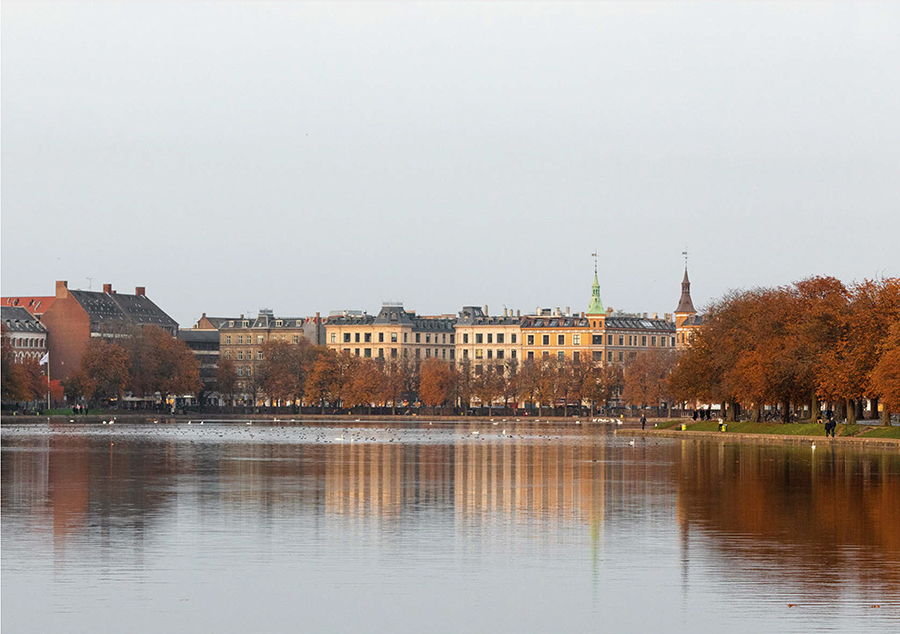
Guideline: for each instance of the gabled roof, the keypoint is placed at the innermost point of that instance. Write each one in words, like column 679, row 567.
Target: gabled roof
column 639, row 323
column 120, row 309
column 17, row 319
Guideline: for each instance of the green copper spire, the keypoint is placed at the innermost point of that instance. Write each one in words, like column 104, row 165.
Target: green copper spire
column 596, row 307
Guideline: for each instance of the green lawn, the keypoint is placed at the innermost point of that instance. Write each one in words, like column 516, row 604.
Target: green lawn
column 882, row 432
column 791, row 429
column 666, row 424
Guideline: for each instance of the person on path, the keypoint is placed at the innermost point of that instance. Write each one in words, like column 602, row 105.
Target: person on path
column 643, row 420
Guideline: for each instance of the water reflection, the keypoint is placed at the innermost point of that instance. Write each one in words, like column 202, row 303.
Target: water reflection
column 585, row 508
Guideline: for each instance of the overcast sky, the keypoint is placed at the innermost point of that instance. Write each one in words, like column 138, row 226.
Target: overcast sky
column 318, row 157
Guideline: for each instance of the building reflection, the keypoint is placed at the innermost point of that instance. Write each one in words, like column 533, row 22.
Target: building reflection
column 746, row 503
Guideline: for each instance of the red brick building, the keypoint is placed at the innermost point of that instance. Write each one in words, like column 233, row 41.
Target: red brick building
column 75, row 316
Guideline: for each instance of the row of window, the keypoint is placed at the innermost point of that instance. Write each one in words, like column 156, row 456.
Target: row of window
column 439, row 353
column 242, row 355
column 480, row 354
column 597, row 340
column 260, row 339
column 596, row 355
column 366, row 337
column 21, row 342
column 480, row 337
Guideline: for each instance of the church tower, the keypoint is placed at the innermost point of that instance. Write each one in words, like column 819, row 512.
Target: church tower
column 685, row 306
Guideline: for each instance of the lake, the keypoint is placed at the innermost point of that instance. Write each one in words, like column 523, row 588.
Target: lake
column 390, row 527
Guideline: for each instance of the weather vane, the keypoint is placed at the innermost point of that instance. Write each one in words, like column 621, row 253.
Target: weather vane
column 594, row 255
column 685, row 254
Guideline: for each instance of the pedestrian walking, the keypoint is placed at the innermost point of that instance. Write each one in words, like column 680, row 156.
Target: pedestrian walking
column 643, row 420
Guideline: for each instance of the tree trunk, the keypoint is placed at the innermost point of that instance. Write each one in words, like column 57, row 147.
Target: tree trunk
column 885, row 416
column 813, row 407
column 851, row 411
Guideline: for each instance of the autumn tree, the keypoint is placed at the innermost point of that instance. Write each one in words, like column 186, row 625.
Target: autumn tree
column 102, row 374
column 324, row 384
column 885, row 379
column 226, row 378
column 487, row 385
column 284, row 369
column 645, row 379
column 364, row 383
column 159, row 362
column 435, row 382
column 392, row 383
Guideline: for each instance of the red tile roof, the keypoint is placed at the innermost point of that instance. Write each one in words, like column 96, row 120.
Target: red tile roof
column 34, row 305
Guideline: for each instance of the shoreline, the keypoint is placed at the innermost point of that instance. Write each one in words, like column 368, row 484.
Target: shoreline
column 793, row 439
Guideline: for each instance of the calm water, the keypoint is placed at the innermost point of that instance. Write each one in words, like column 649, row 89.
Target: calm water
column 430, row 528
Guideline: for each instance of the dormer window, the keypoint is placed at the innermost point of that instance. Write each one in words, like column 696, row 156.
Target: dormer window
column 278, row 323
column 245, row 324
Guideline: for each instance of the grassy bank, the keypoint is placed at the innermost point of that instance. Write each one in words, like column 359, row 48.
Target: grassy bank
column 789, row 429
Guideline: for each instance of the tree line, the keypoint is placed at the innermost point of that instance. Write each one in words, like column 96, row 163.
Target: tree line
column 814, row 341
column 317, row 376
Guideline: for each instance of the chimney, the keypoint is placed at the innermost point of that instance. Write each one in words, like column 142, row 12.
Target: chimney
column 668, row 316
column 645, row 315
column 518, row 312
column 568, row 311
column 142, row 291
column 62, row 288
column 504, row 311
column 655, row 315
column 485, row 310
column 107, row 288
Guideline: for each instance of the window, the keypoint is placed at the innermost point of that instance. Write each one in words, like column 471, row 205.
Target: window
column 296, row 338
column 231, row 323
column 356, row 351
column 245, row 324
column 479, row 353
column 451, row 355
column 368, row 337
column 405, row 352
column 465, row 337
column 531, row 354
column 347, row 350
column 499, row 337
column 653, row 341
column 490, row 353
column 228, row 354
column 333, row 337
column 621, row 356
column 393, row 337
column 405, row 337
column 479, row 338
column 499, row 354
column 367, row 353
column 346, row 337
column 240, row 338
column 443, row 338
column 512, row 338
column 418, row 338
column 490, row 338
column 259, row 356
column 621, row 340
column 512, row 354
column 452, row 337
column 259, row 339
column 443, row 353
column 356, row 338
column 240, row 371
column 608, row 340
column 393, row 353
column 576, row 356
column 644, row 341
column 465, row 354
column 240, row 355
column 381, row 353
column 560, row 340
column 609, row 356
column 418, row 352
column 228, row 339
column 597, row 355
column 380, row 337
column 561, row 355
column 530, row 340
column 428, row 353
column 545, row 340
column 428, row 338
column 597, row 340
column 248, row 370
column 278, row 323
column 576, row 340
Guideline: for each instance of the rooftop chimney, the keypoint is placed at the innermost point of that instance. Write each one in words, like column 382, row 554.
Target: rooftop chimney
column 142, row 291
column 568, row 311
column 107, row 288
column 485, row 310
column 62, row 288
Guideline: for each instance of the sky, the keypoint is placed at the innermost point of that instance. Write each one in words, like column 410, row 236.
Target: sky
column 317, row 157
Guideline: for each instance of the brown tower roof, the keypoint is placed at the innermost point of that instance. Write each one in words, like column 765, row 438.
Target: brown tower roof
column 685, row 305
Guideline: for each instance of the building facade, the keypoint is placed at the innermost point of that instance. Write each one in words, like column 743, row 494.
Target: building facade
column 27, row 336
column 483, row 339
column 392, row 334
column 75, row 317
